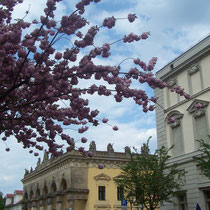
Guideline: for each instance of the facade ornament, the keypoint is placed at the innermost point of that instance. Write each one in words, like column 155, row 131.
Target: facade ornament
column 194, row 69
column 198, row 108
column 174, row 119
column 127, row 150
column 110, row 149
column 175, row 124
column 26, row 172
column 52, row 157
column 46, row 157
column 144, row 149
column 39, row 161
column 31, row 170
column 92, row 146
column 172, row 82
column 199, row 113
column 61, row 152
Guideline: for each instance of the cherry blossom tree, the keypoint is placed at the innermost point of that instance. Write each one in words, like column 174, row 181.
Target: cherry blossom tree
column 35, row 76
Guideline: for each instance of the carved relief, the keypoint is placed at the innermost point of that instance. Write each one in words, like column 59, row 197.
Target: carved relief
column 194, row 68
column 92, row 146
column 102, row 176
column 172, row 82
column 198, row 108
column 174, row 119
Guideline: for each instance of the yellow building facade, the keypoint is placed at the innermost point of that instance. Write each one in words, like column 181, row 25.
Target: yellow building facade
column 74, row 182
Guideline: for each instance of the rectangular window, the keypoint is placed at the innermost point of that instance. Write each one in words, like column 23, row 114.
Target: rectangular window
column 182, row 202
column 119, row 193
column 201, row 128
column 101, row 193
column 177, row 140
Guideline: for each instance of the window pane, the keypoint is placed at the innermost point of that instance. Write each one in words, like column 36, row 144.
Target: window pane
column 101, row 193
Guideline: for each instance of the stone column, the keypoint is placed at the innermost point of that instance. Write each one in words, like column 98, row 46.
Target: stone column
column 70, row 202
column 59, row 202
column 49, row 203
column 33, row 207
column 41, row 204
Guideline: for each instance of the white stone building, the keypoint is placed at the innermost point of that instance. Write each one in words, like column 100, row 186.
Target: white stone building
column 13, row 201
column 191, row 71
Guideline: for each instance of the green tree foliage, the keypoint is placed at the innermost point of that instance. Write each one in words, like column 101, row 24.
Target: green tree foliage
column 148, row 179
column 204, row 159
column 1, row 201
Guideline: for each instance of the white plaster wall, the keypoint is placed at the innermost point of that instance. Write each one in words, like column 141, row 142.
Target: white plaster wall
column 205, row 68
column 182, row 81
column 17, row 198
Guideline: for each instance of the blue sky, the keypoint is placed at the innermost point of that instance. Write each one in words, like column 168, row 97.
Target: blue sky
column 175, row 26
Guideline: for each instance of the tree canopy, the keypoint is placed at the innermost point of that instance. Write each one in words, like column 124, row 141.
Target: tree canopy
column 35, row 76
column 147, row 179
column 203, row 160
column 1, row 201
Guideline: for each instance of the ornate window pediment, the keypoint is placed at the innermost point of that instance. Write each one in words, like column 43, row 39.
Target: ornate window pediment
column 197, row 112
column 174, row 118
column 102, row 176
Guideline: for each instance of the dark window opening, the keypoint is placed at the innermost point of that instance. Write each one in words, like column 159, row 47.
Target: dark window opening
column 101, row 193
column 119, row 193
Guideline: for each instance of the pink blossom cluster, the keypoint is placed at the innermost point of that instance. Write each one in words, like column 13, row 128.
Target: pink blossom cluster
column 133, row 37
column 35, row 78
column 109, row 22
column 177, row 89
column 198, row 106
column 171, row 119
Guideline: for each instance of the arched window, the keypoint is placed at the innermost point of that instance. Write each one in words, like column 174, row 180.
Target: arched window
column 31, row 194
column 25, row 196
column 53, row 187
column 37, row 192
column 45, row 190
column 63, row 184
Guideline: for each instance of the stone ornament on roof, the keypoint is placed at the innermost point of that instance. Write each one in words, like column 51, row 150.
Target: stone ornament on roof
column 26, row 172
column 110, row 147
column 46, row 157
column 144, row 149
column 92, row 146
column 127, row 150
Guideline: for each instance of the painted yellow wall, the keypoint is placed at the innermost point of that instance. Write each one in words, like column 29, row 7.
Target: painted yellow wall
column 111, row 188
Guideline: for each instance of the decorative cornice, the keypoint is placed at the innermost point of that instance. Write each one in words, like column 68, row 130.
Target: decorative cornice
column 102, row 176
column 76, row 157
column 192, row 108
